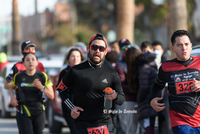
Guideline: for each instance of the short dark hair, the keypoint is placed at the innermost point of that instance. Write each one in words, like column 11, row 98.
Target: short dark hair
column 112, row 57
column 113, row 42
column 179, row 33
column 156, row 42
column 145, row 44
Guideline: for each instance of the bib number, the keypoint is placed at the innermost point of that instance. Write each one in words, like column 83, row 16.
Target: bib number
column 183, row 87
column 183, row 80
column 98, row 130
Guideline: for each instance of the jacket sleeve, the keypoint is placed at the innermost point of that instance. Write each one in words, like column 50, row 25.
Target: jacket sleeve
column 64, row 87
column 144, row 88
column 61, row 75
column 158, row 85
column 11, row 74
column 14, row 80
column 123, row 80
column 120, row 73
column 40, row 67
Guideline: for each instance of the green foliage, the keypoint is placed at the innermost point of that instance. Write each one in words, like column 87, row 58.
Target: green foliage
column 152, row 16
column 190, row 10
column 146, row 3
column 158, row 14
column 84, row 33
column 139, row 36
column 65, row 36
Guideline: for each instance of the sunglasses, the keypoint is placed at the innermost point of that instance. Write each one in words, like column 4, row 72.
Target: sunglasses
column 124, row 47
column 95, row 47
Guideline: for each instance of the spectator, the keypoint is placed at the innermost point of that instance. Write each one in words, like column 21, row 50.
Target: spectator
column 126, row 123
column 115, row 47
column 146, row 47
column 157, row 46
column 147, row 73
column 74, row 57
column 111, row 58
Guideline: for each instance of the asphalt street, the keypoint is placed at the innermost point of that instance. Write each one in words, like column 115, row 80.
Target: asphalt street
column 9, row 126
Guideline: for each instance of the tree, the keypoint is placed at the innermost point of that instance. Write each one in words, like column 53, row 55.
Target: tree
column 125, row 19
column 178, row 17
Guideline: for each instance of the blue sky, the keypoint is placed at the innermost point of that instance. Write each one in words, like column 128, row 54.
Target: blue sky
column 26, row 7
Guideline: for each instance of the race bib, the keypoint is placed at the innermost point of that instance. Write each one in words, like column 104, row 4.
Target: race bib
column 98, row 130
column 183, row 82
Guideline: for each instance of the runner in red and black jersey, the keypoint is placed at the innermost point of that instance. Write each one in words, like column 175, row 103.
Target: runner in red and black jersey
column 25, row 47
column 88, row 81
column 182, row 75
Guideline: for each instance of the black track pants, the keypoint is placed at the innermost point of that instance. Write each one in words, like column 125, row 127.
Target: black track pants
column 31, row 125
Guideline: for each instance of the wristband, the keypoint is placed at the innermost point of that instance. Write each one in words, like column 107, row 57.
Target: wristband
column 43, row 89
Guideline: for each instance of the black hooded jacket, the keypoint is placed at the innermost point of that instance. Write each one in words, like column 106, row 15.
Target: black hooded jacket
column 147, row 74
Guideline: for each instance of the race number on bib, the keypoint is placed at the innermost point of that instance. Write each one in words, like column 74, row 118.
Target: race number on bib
column 183, row 82
column 98, row 130
column 183, row 87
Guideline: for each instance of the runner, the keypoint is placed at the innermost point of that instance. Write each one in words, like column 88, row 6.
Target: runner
column 25, row 47
column 182, row 75
column 31, row 85
column 88, row 81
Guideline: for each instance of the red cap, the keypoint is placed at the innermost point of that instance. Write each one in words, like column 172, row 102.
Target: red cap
column 99, row 37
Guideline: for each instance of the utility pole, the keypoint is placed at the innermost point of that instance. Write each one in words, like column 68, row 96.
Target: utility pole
column 16, row 34
column 36, row 11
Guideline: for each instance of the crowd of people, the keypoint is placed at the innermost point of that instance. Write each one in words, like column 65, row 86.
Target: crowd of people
column 136, row 76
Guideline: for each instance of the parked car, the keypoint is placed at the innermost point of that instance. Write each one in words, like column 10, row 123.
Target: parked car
column 195, row 51
column 5, row 107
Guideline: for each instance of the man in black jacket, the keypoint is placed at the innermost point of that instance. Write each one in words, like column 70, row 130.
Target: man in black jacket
column 88, row 81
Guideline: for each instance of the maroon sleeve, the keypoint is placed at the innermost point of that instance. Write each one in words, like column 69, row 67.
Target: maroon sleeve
column 120, row 73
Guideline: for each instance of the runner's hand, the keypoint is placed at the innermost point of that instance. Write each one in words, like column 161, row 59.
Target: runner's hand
column 76, row 112
column 157, row 106
column 112, row 95
column 38, row 84
column 195, row 86
column 13, row 101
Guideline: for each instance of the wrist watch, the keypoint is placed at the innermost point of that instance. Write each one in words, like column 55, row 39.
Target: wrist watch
column 43, row 88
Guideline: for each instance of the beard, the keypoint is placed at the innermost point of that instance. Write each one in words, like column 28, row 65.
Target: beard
column 90, row 56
